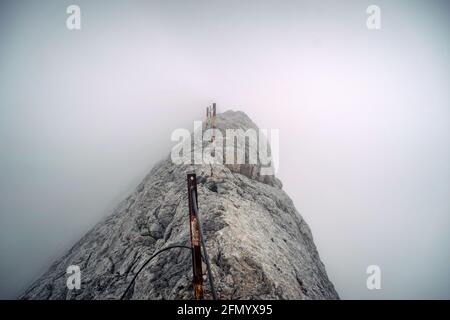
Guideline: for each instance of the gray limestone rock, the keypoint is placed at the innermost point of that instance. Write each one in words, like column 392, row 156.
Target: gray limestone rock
column 259, row 245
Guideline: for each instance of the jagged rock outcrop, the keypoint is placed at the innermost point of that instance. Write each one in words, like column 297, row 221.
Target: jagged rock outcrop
column 259, row 246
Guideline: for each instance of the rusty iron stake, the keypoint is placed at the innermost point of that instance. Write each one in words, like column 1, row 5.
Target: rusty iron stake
column 214, row 121
column 195, row 239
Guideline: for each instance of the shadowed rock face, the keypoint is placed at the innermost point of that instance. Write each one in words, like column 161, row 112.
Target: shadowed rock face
column 259, row 246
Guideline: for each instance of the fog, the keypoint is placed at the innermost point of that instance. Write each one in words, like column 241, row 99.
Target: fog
column 363, row 118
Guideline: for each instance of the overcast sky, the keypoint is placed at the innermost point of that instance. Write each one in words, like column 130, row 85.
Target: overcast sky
column 363, row 118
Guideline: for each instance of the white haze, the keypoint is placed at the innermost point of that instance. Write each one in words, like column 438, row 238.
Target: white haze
column 363, row 118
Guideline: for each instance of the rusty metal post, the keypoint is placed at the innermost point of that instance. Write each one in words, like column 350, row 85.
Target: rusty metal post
column 195, row 239
column 214, row 121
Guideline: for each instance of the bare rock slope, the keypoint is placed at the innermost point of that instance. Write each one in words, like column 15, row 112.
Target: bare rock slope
column 259, row 246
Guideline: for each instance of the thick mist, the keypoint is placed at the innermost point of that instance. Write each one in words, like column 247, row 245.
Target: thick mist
column 363, row 118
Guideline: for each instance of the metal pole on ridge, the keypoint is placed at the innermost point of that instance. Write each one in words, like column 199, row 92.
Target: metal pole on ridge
column 195, row 239
column 214, row 121
column 196, row 235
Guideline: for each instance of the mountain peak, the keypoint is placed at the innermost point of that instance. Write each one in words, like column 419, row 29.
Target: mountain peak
column 259, row 245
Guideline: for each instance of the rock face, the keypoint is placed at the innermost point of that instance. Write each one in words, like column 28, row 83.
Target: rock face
column 259, row 246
